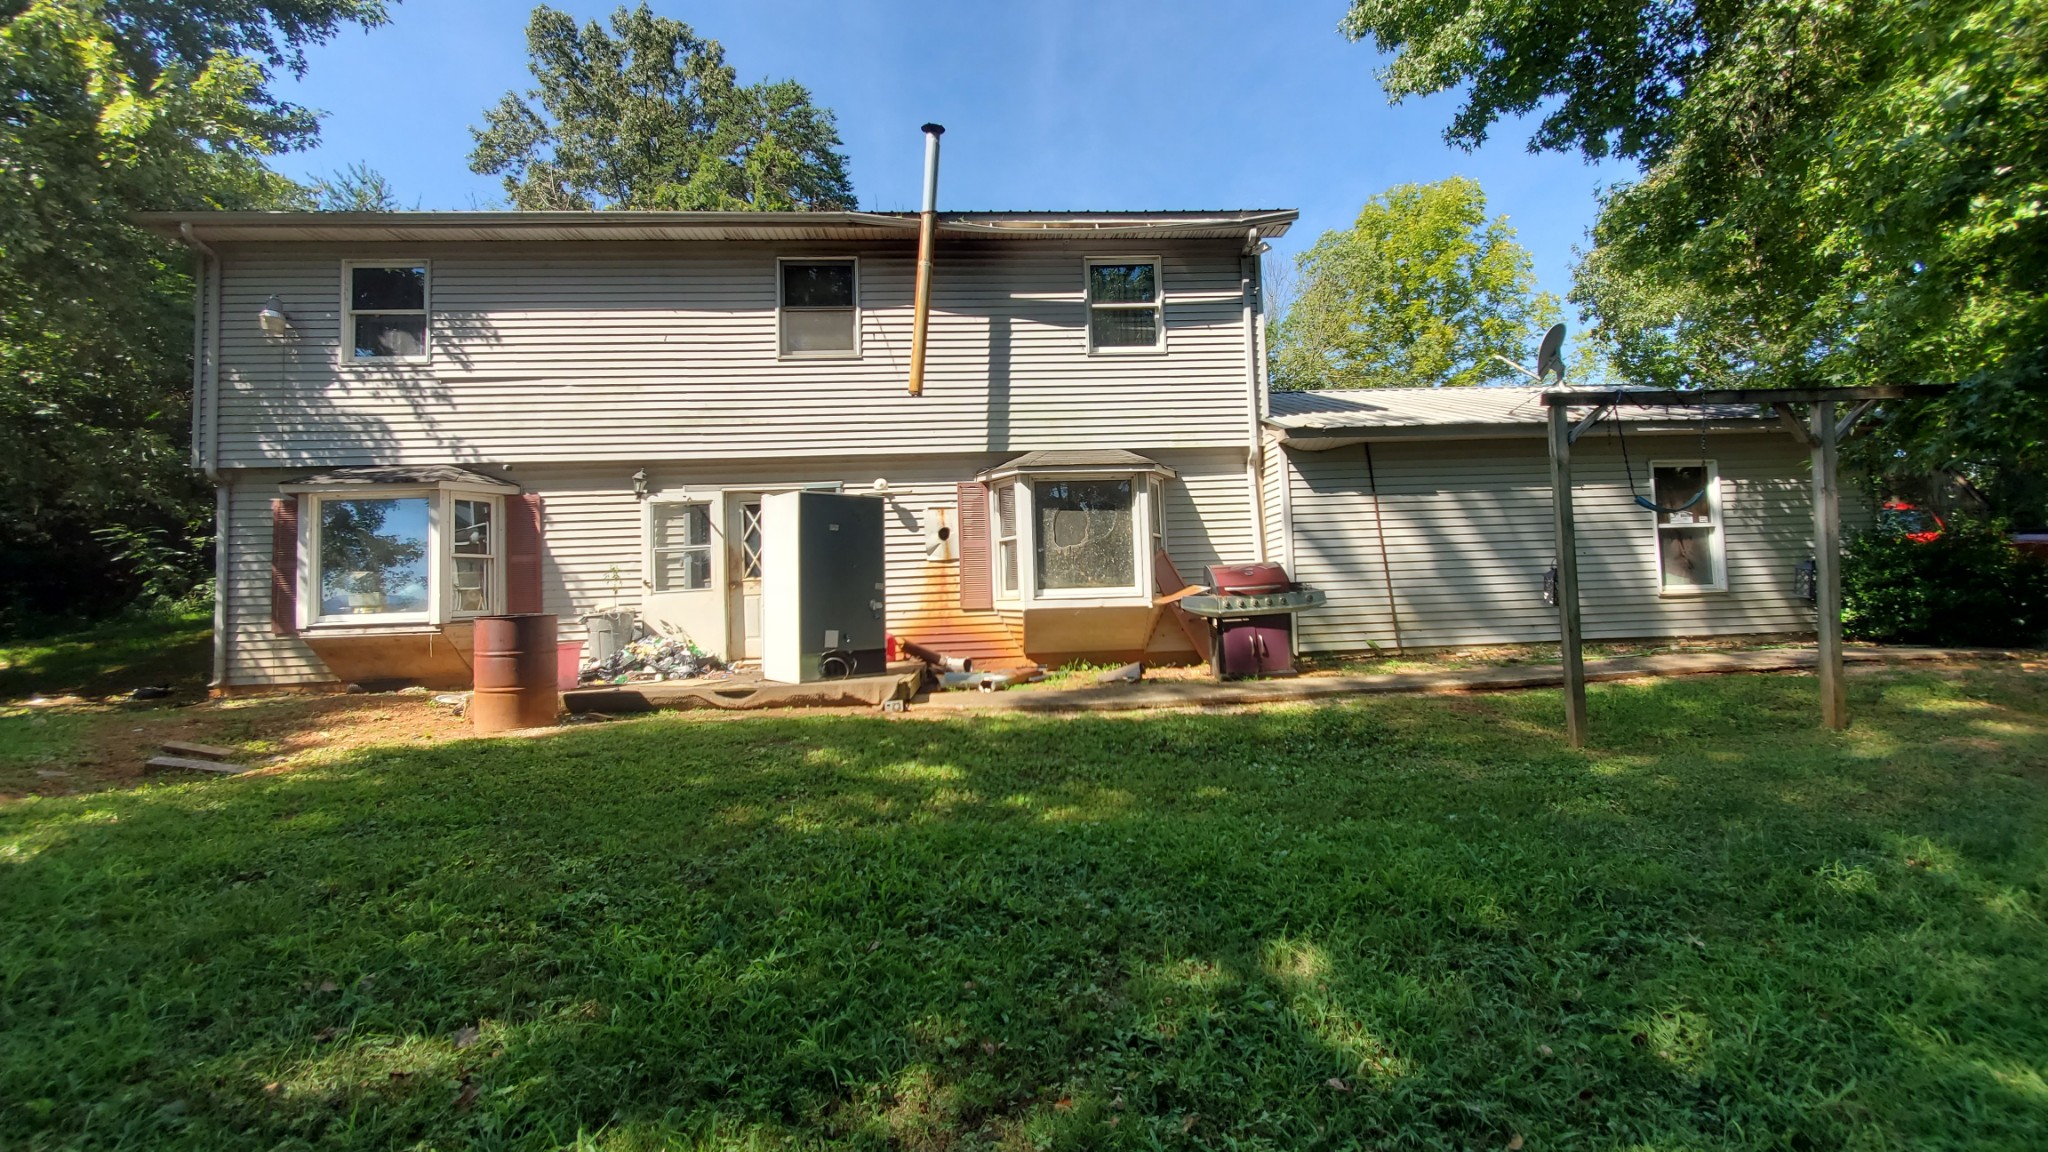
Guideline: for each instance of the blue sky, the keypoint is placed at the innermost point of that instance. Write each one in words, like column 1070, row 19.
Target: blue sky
column 1046, row 105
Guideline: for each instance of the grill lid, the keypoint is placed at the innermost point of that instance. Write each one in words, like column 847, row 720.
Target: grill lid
column 1228, row 578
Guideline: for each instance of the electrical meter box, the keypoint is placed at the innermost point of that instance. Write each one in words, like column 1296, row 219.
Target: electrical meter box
column 821, row 586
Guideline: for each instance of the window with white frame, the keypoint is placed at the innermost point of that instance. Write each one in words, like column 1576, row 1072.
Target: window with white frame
column 1126, row 308
column 400, row 556
column 474, row 548
column 1155, row 495
column 1007, row 574
column 819, row 313
column 1084, row 533
column 1688, row 526
column 384, row 312
column 682, row 546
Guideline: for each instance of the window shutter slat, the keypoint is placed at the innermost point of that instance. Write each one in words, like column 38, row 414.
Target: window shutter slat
column 977, row 593
column 284, row 566
column 522, row 552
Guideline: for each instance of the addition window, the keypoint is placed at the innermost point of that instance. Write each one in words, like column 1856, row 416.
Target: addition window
column 1085, row 535
column 1155, row 493
column 1126, row 310
column 384, row 312
column 818, row 314
column 1006, row 540
column 1688, row 527
column 682, row 547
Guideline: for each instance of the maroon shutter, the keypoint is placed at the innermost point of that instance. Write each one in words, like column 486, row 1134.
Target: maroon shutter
column 977, row 592
column 284, row 566
column 522, row 552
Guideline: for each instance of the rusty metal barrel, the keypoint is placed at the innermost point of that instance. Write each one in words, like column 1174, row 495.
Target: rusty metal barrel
column 515, row 659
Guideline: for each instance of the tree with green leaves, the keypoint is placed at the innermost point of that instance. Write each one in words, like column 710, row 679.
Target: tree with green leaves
column 1422, row 289
column 108, row 108
column 649, row 115
column 1831, row 193
column 356, row 188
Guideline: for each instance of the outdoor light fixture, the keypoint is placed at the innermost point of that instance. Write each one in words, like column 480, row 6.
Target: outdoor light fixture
column 640, row 484
column 881, row 486
column 272, row 318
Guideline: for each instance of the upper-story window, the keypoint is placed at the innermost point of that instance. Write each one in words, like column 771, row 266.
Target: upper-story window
column 1126, row 308
column 820, row 311
column 384, row 312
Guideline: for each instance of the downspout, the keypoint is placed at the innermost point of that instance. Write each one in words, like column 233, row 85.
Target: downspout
column 1254, row 457
column 1379, row 527
column 927, row 233
column 206, row 428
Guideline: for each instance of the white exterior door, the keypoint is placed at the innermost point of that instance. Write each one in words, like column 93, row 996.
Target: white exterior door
column 743, row 567
column 682, row 594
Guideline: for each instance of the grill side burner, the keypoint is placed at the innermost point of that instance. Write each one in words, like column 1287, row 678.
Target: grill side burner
column 1250, row 609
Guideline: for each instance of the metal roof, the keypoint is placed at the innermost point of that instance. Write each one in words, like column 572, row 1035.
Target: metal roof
column 415, row 474
column 1329, row 419
column 1078, row 460
column 410, row 227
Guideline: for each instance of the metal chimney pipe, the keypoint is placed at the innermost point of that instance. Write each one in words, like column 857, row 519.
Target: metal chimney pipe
column 927, row 230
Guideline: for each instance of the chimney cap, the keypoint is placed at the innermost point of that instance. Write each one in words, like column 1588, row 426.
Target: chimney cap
column 934, row 129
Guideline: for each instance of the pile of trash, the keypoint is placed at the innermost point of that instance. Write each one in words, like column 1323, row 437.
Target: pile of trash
column 653, row 658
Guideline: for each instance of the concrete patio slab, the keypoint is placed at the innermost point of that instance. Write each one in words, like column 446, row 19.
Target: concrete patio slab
column 1211, row 694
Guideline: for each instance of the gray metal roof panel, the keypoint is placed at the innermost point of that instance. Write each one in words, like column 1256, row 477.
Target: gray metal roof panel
column 404, row 474
column 411, row 227
column 1366, row 409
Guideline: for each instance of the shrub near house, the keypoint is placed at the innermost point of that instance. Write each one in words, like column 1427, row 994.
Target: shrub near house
column 1968, row 585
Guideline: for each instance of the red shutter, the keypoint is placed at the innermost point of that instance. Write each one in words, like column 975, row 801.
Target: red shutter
column 522, row 552
column 977, row 592
column 284, row 566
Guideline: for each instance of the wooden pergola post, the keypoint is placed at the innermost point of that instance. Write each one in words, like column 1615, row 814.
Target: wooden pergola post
column 1567, row 576
column 1827, row 566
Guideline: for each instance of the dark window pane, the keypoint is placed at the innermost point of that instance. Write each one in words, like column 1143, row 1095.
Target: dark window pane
column 830, row 331
column 1687, row 557
column 473, row 527
column 373, row 556
column 391, row 336
column 1124, row 328
column 817, row 285
column 1122, row 284
column 396, row 288
column 1084, row 534
column 1676, row 488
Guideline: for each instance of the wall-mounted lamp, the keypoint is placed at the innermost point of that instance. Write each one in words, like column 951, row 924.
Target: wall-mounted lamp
column 880, row 487
column 272, row 318
column 640, row 484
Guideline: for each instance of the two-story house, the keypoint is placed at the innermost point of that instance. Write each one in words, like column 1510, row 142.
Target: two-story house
column 413, row 419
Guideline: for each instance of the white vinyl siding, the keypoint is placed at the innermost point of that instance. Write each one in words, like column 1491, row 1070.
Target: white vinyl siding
column 592, row 524
column 1469, row 536
column 560, row 353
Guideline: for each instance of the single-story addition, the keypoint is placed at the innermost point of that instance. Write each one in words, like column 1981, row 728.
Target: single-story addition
column 1426, row 517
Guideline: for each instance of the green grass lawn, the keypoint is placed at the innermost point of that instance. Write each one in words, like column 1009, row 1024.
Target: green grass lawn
column 1402, row 923
column 173, row 649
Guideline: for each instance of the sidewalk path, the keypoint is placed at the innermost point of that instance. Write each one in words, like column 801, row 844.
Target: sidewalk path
column 1209, row 693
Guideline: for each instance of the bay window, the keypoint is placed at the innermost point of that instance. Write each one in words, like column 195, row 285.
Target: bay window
column 422, row 551
column 1075, row 528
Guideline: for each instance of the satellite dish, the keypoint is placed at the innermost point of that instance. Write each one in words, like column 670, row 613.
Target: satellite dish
column 1550, row 354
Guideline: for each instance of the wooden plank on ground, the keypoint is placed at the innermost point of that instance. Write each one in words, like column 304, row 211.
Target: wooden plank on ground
column 203, row 751
column 159, row 763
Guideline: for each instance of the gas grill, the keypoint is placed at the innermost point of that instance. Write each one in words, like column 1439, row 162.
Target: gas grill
column 1250, row 609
